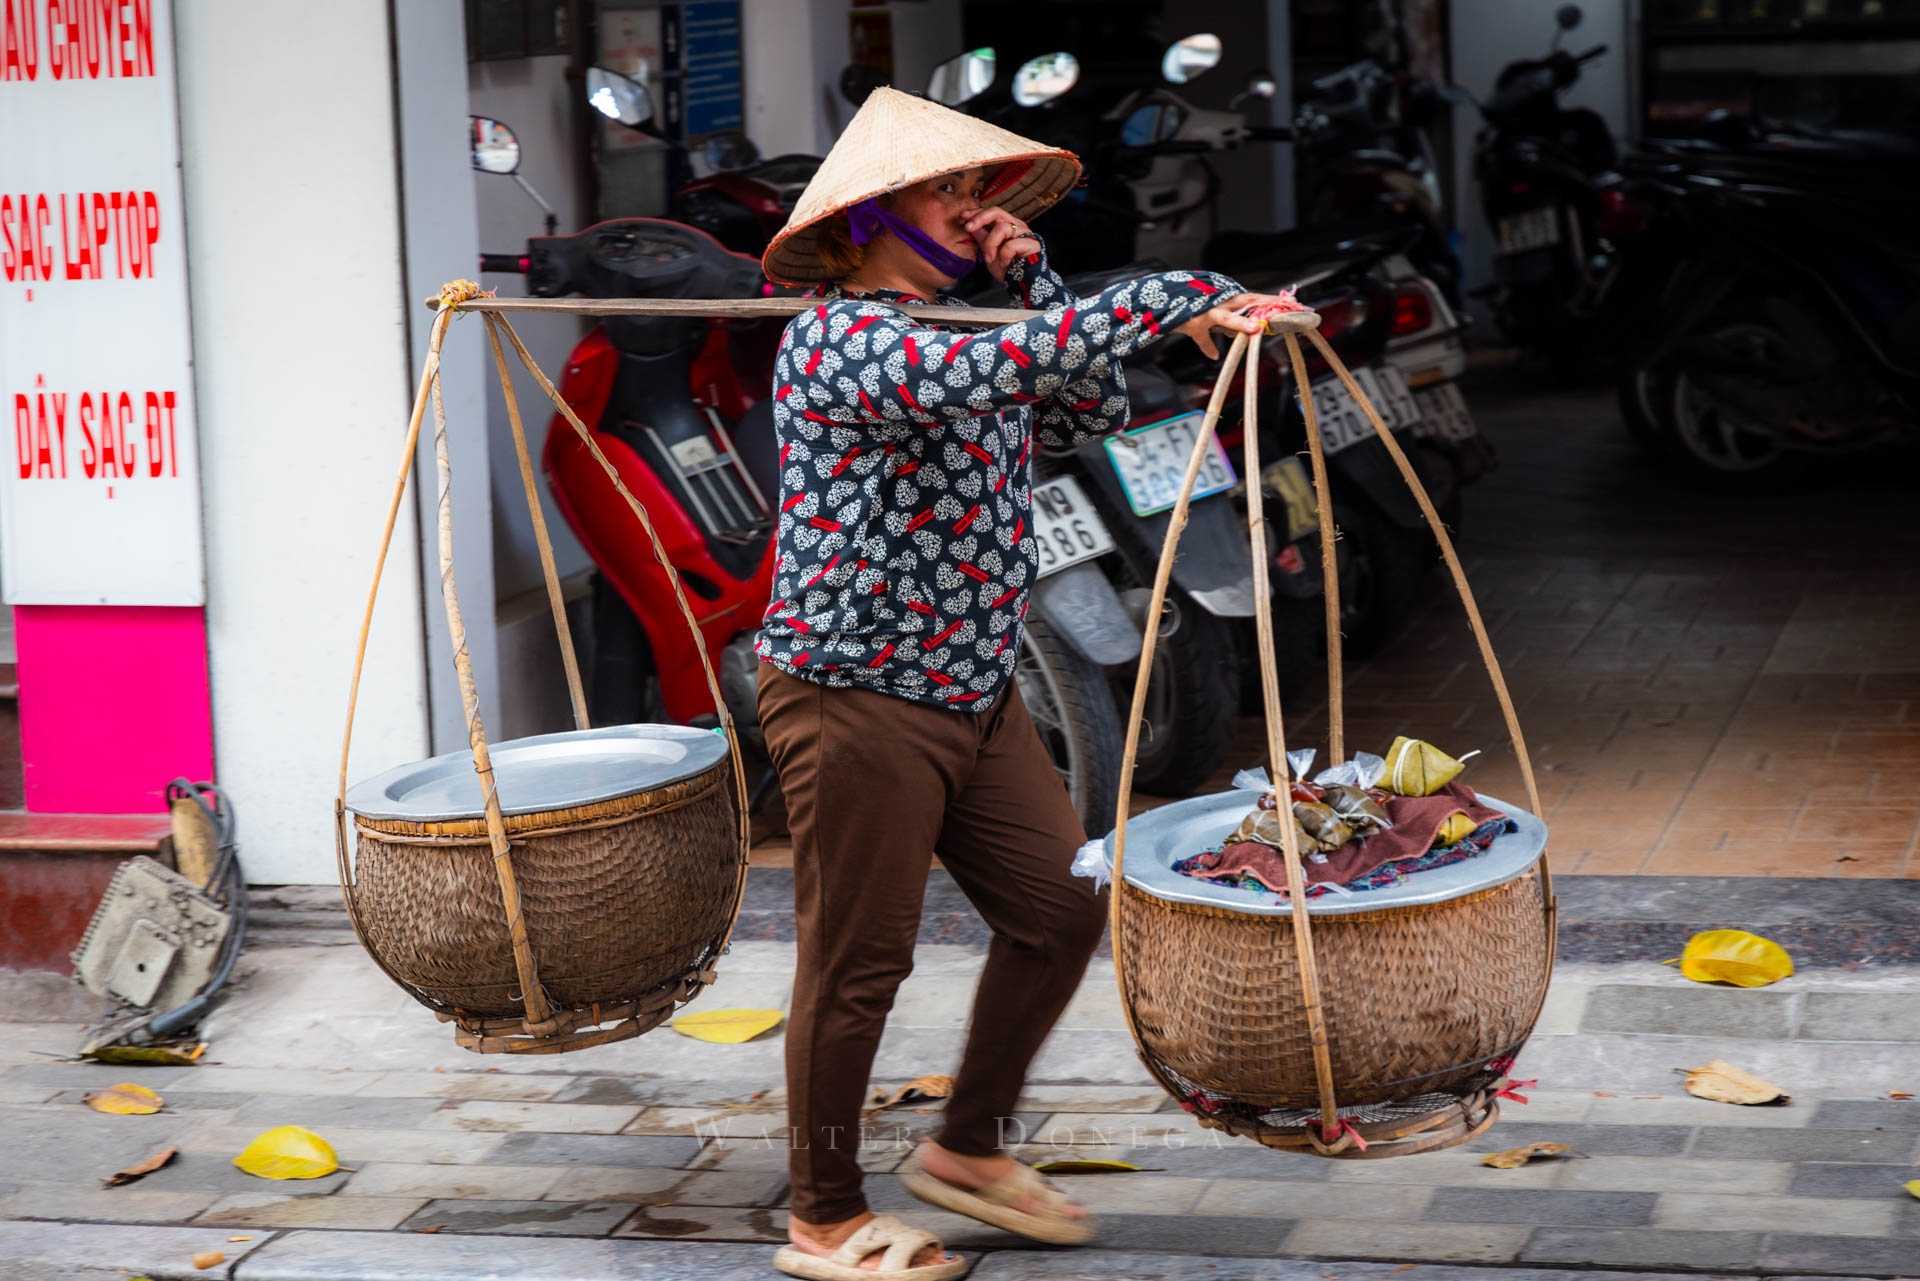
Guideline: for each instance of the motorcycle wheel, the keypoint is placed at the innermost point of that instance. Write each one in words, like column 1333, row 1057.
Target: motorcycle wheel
column 1643, row 395
column 1380, row 577
column 1072, row 707
column 1191, row 701
column 1713, row 440
column 623, row 689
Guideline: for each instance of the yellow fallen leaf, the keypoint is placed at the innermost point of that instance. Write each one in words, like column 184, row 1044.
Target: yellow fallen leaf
column 1913, row 1188
column 163, row 1055
column 921, row 1087
column 1722, row 1082
column 125, row 1099
column 1736, row 957
column 726, row 1027
column 1085, row 1165
column 288, row 1152
column 211, row 1259
column 1513, row 1158
column 141, row 1169
column 239, row 1238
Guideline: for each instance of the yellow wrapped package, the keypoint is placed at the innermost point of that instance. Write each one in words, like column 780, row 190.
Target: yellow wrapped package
column 1457, row 828
column 1417, row 768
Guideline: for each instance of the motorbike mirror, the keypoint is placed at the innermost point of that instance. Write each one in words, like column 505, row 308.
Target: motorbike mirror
column 1190, row 57
column 493, row 145
column 619, row 97
column 1568, row 16
column 1041, row 80
column 962, row 78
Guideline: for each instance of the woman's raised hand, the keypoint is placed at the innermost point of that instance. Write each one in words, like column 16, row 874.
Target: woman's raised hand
column 1001, row 238
column 1231, row 317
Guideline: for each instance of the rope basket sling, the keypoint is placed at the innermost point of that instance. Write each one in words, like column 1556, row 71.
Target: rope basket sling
column 553, row 930
column 1363, row 1034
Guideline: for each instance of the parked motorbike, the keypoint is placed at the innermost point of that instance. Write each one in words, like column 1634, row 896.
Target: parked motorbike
column 1558, row 209
column 1774, row 297
column 679, row 405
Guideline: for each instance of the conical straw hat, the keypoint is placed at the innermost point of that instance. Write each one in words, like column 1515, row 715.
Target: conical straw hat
column 894, row 141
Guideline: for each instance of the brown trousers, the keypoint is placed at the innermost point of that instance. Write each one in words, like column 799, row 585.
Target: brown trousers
column 874, row 784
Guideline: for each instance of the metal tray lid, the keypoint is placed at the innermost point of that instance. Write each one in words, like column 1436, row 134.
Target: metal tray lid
column 543, row 772
column 1160, row 837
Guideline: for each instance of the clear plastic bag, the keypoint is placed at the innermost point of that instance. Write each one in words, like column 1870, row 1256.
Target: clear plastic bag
column 1363, row 772
column 1090, row 861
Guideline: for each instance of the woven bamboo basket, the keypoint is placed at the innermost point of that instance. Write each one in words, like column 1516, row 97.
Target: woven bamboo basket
column 544, row 930
column 1339, row 1032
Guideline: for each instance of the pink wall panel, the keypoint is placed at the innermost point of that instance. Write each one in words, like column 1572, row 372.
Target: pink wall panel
column 114, row 704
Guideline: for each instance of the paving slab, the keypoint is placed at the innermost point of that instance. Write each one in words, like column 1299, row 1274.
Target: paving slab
column 1691, row 1011
column 1106, row 1265
column 637, row 1091
column 482, row 1116
column 710, row 1223
column 596, row 1149
column 1203, row 1234
column 1372, row 1239
column 1841, row 1254
column 1734, row 1212
column 1642, row 1247
column 427, row 1181
column 1541, row 1207
column 747, row 1188
column 104, row 1252
column 308, row 1210
column 1684, row 1109
column 1861, row 1016
column 103, row 1205
column 1675, row 1174
column 1818, row 1178
column 1299, row 1200
column 322, row 1111
column 216, row 1172
column 465, row 1085
column 521, row 1218
column 1814, row 1144
column 1595, row 1140
column 1869, row 1114
column 357, row 1147
column 335, row 1256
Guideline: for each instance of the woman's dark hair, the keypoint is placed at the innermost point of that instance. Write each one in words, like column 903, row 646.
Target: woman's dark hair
column 838, row 254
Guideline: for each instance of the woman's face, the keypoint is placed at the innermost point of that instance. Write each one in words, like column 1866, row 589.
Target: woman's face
column 941, row 206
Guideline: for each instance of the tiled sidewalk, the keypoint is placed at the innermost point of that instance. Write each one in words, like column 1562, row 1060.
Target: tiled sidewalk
column 674, row 1141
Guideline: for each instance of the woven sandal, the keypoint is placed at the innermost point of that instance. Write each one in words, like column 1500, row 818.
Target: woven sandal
column 882, row 1232
column 995, row 1203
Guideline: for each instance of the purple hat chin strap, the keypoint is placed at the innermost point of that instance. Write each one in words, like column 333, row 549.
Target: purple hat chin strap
column 867, row 220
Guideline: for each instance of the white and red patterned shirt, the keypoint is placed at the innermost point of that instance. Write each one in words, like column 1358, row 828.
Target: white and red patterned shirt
column 905, row 547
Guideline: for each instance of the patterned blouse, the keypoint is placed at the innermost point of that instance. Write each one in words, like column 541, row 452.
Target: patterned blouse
column 905, row 548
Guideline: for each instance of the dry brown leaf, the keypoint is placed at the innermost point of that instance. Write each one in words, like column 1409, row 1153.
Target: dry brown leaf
column 1514, row 1158
column 141, row 1169
column 921, row 1087
column 125, row 1099
column 211, row 1259
column 1603, row 1094
column 430, row 1231
column 1722, row 1082
column 239, row 1238
column 1899, row 1094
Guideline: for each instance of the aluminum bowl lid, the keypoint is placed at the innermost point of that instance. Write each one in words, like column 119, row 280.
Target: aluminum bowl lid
column 544, row 772
column 1160, row 837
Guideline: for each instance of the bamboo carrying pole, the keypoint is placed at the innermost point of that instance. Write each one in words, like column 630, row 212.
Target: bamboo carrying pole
column 1331, row 1136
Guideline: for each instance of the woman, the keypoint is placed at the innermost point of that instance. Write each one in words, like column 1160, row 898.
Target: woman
column 886, row 691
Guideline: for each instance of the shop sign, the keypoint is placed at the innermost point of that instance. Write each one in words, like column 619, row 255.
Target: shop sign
column 99, row 494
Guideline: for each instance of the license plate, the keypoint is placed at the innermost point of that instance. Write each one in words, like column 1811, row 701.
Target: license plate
column 1152, row 461
column 1344, row 424
column 1534, row 229
column 1443, row 414
column 1066, row 528
column 1289, row 479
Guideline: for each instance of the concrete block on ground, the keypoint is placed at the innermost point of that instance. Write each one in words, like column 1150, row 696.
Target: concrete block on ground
column 404, row 1256
column 427, row 1182
column 1436, row 1242
column 1844, row 1254
column 1642, row 1248
column 360, row 1147
column 1306, row 1200
column 710, row 1223
column 324, row 1111
column 1684, row 1109
column 670, row 1187
column 1691, row 1011
column 107, row 1252
column 465, row 1085
column 595, row 1149
column 1733, row 1212
column 522, row 1218
column 1595, row 1140
column 1546, row 1207
column 1817, row 1143
column 1868, row 1114
column 481, row 1116
column 75, row 1203
column 1206, row 1234
column 1674, row 1174
column 1862, row 1016
column 1832, row 1178
column 304, row 1210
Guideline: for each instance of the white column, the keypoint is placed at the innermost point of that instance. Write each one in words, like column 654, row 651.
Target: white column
column 302, row 378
